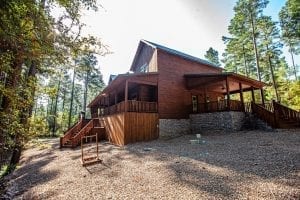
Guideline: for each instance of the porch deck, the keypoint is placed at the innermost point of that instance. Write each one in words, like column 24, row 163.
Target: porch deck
column 128, row 106
column 222, row 105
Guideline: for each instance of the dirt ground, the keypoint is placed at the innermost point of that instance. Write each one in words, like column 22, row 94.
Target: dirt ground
column 241, row 165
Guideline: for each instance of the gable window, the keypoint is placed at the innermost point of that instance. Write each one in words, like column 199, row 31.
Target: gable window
column 143, row 68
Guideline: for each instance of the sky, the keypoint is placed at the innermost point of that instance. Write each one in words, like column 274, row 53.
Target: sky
column 190, row 26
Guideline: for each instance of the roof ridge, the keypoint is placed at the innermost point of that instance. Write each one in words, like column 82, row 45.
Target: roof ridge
column 180, row 53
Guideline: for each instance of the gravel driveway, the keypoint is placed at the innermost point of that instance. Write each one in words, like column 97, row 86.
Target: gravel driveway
column 241, row 165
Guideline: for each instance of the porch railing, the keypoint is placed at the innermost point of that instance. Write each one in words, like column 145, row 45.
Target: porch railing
column 217, row 106
column 142, row 106
column 132, row 106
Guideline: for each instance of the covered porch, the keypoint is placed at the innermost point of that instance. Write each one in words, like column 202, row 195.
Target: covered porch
column 222, row 86
column 128, row 108
column 127, row 93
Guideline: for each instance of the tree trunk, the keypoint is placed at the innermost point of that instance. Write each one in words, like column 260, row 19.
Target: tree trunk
column 55, row 108
column 293, row 62
column 273, row 77
column 86, row 82
column 72, row 96
column 256, row 55
column 245, row 62
column 16, row 154
column 63, row 110
column 32, row 77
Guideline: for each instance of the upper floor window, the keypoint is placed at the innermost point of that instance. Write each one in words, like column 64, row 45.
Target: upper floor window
column 143, row 68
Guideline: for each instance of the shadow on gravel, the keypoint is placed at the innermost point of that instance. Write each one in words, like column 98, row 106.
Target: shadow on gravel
column 266, row 155
column 31, row 174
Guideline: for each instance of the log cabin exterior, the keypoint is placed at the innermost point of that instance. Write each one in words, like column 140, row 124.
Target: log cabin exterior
column 165, row 87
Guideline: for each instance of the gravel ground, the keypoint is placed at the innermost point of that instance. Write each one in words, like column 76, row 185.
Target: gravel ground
column 241, row 165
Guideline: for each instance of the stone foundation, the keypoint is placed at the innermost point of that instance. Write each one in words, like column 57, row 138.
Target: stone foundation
column 174, row 127
column 222, row 121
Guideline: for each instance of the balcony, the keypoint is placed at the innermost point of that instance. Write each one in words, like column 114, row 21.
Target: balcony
column 129, row 106
column 218, row 106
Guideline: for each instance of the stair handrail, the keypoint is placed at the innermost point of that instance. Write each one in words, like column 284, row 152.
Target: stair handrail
column 76, row 138
column 286, row 112
column 265, row 114
column 68, row 134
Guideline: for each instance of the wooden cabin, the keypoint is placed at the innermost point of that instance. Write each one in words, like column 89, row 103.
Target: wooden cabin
column 164, row 90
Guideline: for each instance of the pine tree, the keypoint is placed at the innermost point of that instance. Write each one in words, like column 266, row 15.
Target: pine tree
column 243, row 28
column 270, row 50
column 290, row 29
column 212, row 55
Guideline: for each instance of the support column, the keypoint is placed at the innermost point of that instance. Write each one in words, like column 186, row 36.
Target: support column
column 205, row 100
column 242, row 97
column 228, row 94
column 262, row 97
column 252, row 94
column 126, row 96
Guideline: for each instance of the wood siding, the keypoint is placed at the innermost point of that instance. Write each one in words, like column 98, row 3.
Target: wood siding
column 174, row 99
column 114, row 127
column 153, row 62
column 130, row 127
column 140, row 127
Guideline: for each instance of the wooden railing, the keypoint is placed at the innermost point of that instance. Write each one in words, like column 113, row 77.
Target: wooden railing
column 217, row 106
column 248, row 108
column 264, row 114
column 73, row 130
column 132, row 106
column 286, row 113
column 85, row 130
column 142, row 106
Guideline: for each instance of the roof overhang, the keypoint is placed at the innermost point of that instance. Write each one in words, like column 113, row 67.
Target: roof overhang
column 217, row 82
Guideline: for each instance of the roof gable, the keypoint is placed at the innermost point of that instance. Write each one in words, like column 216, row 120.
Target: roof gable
column 111, row 78
column 170, row 51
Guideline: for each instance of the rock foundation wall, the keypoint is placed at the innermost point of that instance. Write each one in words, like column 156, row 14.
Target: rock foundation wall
column 174, row 127
column 225, row 121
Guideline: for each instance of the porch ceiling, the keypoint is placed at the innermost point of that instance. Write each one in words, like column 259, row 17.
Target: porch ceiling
column 217, row 82
column 119, row 83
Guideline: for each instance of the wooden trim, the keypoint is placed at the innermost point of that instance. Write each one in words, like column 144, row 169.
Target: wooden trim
column 126, row 96
column 252, row 95
column 241, row 95
column 228, row 94
column 143, row 82
column 262, row 97
column 205, row 99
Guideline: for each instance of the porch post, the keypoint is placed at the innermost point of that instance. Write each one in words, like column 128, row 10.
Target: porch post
column 228, row 94
column 262, row 97
column 126, row 96
column 252, row 94
column 241, row 96
column 205, row 100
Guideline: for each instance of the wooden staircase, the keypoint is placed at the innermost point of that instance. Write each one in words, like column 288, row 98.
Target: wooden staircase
column 277, row 115
column 72, row 137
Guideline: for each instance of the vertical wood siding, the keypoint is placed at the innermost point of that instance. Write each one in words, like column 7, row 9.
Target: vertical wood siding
column 174, row 99
column 140, row 127
column 114, row 127
column 130, row 127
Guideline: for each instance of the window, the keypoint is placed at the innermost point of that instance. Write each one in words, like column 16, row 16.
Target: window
column 143, row 68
